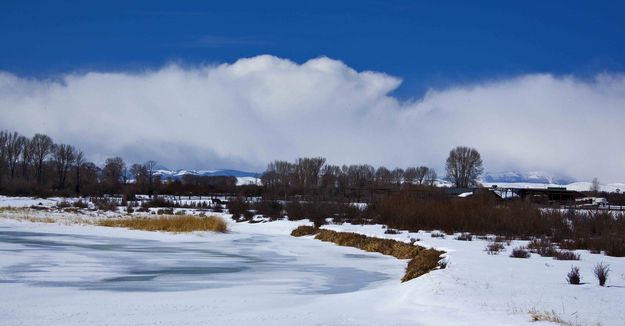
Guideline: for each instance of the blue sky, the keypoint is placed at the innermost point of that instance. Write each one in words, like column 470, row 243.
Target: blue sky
column 426, row 43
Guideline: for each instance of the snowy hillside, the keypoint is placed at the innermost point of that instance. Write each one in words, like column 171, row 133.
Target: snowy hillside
column 542, row 180
column 243, row 178
column 524, row 177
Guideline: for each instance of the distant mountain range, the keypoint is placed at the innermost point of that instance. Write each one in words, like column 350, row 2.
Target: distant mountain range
column 168, row 174
column 243, row 178
column 542, row 180
column 525, row 177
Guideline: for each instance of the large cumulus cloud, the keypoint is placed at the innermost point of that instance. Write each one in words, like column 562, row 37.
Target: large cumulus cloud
column 246, row 113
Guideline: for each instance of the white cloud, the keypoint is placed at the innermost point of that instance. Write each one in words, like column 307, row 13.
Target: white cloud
column 255, row 110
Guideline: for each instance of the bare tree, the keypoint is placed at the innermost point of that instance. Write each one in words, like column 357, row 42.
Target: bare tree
column 397, row 176
column 269, row 179
column 89, row 179
column 410, row 175
column 464, row 166
column 422, row 172
column 3, row 153
column 150, row 167
column 112, row 173
column 383, row 176
column 78, row 164
column 42, row 147
column 140, row 173
column 281, row 174
column 27, row 157
column 430, row 177
column 14, row 147
column 63, row 157
column 330, row 175
column 360, row 177
column 307, row 171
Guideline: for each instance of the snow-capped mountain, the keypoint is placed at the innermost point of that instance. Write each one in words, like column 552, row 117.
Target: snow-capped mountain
column 525, row 177
column 165, row 173
column 243, row 178
column 542, row 180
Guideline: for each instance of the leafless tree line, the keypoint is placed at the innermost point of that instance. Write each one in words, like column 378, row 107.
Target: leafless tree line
column 38, row 166
column 313, row 177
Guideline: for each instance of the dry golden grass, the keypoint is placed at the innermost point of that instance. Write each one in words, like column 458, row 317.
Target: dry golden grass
column 424, row 262
column 393, row 248
column 421, row 260
column 184, row 223
column 37, row 219
column 303, row 230
column 11, row 209
column 552, row 317
column 22, row 214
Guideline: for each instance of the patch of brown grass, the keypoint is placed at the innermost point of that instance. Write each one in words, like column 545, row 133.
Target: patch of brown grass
column 552, row 317
column 11, row 209
column 427, row 260
column 304, row 230
column 184, row 223
column 389, row 247
column 421, row 261
column 38, row 219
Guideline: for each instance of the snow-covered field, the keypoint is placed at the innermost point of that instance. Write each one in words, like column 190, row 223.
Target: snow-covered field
column 79, row 274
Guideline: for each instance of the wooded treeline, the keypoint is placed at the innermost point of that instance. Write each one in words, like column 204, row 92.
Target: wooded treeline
column 312, row 178
column 37, row 166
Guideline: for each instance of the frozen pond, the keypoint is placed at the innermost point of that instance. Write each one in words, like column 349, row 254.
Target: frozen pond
column 104, row 263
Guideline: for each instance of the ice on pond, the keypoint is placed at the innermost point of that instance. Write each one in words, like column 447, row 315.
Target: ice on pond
column 98, row 262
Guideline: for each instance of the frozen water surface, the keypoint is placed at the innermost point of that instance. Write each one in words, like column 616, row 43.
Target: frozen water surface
column 98, row 262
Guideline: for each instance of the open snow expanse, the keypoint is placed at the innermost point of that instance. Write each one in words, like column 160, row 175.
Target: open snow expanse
column 71, row 274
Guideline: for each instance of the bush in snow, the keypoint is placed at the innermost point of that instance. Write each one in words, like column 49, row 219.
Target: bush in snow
column 494, row 248
column 237, row 207
column 158, row 202
column 573, row 276
column 391, row 231
column 520, row 252
column 218, row 208
column 248, row 216
column 80, row 204
column 505, row 240
column 105, row 204
column 601, row 272
column 565, row 255
column 543, row 247
column 438, row 235
column 269, row 208
column 164, row 211
column 63, row 204
column 295, row 211
column 464, row 237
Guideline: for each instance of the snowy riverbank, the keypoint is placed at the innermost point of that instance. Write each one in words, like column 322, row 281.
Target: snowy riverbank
column 71, row 274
